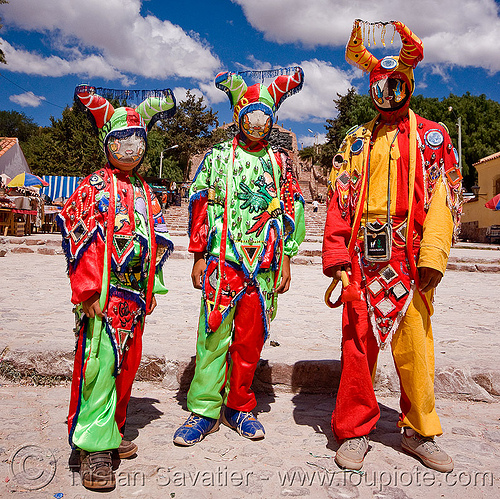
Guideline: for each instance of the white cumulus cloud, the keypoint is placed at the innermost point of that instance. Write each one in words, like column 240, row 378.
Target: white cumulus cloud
column 28, row 99
column 322, row 82
column 108, row 39
column 454, row 32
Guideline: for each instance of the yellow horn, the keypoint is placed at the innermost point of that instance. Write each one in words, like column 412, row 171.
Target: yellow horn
column 356, row 53
column 412, row 51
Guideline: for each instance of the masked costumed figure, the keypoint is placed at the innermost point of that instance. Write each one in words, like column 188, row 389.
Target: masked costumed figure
column 246, row 222
column 116, row 242
column 394, row 208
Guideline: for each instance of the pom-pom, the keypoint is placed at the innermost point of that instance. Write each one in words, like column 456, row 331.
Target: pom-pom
column 214, row 320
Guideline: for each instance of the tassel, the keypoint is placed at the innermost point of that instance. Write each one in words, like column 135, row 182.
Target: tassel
column 214, row 320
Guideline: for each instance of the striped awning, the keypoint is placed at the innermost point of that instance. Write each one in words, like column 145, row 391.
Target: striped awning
column 60, row 187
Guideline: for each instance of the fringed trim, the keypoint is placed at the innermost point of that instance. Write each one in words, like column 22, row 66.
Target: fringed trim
column 263, row 311
column 144, row 243
column 192, row 199
column 200, row 166
column 74, row 260
column 275, row 263
column 268, row 73
column 224, row 314
column 128, row 294
column 114, row 344
column 128, row 95
column 169, row 250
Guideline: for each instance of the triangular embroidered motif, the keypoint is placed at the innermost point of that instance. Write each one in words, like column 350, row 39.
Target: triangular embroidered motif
column 251, row 252
column 121, row 243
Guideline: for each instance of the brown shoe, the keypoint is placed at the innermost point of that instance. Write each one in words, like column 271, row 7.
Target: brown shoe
column 96, row 470
column 427, row 451
column 126, row 449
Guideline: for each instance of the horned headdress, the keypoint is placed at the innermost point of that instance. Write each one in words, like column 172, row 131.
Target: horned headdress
column 159, row 104
column 245, row 99
column 396, row 67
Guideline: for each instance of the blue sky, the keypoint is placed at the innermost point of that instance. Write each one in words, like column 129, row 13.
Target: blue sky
column 52, row 46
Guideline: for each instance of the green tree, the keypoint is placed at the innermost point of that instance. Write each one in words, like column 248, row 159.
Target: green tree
column 158, row 141
column 353, row 109
column 14, row 124
column 307, row 153
column 479, row 117
column 69, row 146
column 2, row 55
column 191, row 128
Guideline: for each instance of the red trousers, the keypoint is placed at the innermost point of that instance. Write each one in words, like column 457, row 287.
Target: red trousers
column 241, row 335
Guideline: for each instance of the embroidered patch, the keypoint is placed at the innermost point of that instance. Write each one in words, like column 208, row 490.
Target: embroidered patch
column 344, row 180
column 434, row 172
column 355, row 176
column 251, row 252
column 401, row 231
column 388, row 63
column 357, row 146
column 434, row 138
column 121, row 243
column 97, row 182
column 124, row 335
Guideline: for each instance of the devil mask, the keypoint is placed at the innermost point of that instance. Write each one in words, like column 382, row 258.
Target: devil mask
column 255, row 107
column 123, row 131
column 391, row 78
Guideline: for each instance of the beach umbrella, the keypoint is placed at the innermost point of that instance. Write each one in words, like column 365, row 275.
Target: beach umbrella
column 27, row 180
column 494, row 203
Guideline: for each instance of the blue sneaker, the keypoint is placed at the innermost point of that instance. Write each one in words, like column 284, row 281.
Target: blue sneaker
column 245, row 423
column 195, row 429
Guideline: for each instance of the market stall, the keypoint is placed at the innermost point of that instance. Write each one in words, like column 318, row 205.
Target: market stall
column 21, row 205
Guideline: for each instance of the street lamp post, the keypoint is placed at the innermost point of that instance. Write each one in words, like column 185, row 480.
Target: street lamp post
column 161, row 156
column 315, row 144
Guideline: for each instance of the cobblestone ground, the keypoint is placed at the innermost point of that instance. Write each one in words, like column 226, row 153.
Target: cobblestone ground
column 295, row 459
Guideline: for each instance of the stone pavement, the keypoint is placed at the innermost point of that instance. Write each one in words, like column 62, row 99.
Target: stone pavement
column 37, row 322
column 294, row 460
column 294, row 383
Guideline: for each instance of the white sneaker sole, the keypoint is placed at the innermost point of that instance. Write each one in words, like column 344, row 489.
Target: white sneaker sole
column 259, row 435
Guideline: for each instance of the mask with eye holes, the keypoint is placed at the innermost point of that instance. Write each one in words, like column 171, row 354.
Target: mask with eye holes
column 391, row 78
column 255, row 107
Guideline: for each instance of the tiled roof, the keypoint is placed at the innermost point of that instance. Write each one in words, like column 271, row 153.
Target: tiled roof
column 488, row 158
column 6, row 143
